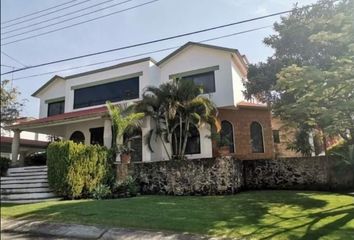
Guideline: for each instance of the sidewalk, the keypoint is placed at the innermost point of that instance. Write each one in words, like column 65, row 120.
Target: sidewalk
column 62, row 230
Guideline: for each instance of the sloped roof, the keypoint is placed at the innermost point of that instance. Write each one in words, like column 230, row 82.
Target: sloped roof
column 188, row 44
column 53, row 79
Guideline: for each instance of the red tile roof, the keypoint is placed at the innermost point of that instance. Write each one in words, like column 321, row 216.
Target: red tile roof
column 26, row 142
column 100, row 111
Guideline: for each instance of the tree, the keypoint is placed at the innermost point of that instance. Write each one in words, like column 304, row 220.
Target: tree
column 124, row 120
column 175, row 107
column 10, row 106
column 310, row 78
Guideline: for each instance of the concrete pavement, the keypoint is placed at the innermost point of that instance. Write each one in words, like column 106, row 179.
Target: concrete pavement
column 27, row 229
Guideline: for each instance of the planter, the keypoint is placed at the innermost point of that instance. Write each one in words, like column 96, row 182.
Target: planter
column 224, row 151
column 125, row 158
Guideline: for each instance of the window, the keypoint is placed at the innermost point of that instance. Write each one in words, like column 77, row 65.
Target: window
column 96, row 136
column 55, row 108
column 113, row 91
column 77, row 137
column 135, row 142
column 193, row 140
column 206, row 80
column 227, row 134
column 276, row 136
column 257, row 138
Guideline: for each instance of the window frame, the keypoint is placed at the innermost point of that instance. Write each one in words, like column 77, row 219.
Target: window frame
column 55, row 102
column 192, row 76
column 116, row 98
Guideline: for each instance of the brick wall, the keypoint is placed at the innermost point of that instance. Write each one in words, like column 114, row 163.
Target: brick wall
column 241, row 120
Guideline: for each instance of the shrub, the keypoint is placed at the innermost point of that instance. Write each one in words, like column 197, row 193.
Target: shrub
column 36, row 159
column 101, row 192
column 4, row 165
column 75, row 170
column 127, row 188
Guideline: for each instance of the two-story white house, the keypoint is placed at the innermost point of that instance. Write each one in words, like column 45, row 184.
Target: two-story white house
column 73, row 107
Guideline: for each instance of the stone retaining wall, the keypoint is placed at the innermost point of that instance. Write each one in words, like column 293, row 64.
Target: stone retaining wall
column 227, row 175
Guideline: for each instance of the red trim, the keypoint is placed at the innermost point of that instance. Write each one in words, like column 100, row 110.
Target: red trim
column 65, row 116
column 249, row 104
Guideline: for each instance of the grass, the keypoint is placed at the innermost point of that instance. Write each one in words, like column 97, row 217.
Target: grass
column 251, row 215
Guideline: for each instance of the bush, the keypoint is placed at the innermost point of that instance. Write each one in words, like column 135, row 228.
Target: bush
column 127, row 188
column 75, row 170
column 101, row 192
column 4, row 165
column 36, row 159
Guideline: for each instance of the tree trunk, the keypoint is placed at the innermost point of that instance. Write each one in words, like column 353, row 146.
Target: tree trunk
column 185, row 138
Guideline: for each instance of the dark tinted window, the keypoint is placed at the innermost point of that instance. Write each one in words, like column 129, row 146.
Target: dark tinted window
column 114, row 92
column 77, row 137
column 96, row 136
column 227, row 133
column 276, row 136
column 257, row 138
column 193, row 140
column 55, row 108
column 206, row 80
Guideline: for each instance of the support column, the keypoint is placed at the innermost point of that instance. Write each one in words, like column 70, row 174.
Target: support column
column 15, row 147
column 107, row 133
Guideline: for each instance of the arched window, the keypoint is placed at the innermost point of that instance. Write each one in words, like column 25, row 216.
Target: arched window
column 77, row 137
column 257, row 138
column 193, row 140
column 227, row 134
column 135, row 142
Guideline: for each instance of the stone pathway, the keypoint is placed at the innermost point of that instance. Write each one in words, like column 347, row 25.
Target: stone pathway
column 26, row 229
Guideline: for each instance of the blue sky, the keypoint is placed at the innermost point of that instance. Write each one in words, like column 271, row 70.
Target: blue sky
column 157, row 20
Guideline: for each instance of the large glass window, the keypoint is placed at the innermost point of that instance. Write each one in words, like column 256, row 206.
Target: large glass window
column 257, row 138
column 193, row 140
column 55, row 108
column 206, row 80
column 96, row 136
column 227, row 134
column 135, row 142
column 114, row 92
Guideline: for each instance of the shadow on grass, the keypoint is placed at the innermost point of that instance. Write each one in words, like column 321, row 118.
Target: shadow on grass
column 256, row 214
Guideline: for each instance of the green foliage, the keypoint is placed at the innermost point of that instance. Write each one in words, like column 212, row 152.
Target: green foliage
column 36, row 159
column 101, row 192
column 219, row 140
column 75, row 170
column 4, row 165
column 301, row 144
column 310, row 77
column 124, row 121
column 126, row 188
column 174, row 107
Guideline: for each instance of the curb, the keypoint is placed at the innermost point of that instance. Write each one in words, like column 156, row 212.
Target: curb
column 79, row 231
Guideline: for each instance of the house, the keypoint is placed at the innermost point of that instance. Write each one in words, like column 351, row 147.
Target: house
column 73, row 107
column 29, row 142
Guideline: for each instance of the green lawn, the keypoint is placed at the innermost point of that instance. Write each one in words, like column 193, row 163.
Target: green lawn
column 253, row 215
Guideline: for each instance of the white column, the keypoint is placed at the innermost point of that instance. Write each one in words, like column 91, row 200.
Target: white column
column 107, row 133
column 15, row 147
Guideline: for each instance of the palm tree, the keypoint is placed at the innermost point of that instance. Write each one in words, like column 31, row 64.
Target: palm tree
column 124, row 121
column 175, row 107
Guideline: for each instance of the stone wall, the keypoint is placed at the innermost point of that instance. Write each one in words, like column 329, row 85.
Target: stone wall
column 190, row 177
column 226, row 175
column 308, row 173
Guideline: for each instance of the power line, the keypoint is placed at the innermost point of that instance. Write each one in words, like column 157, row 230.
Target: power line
column 46, row 14
column 140, row 54
column 79, row 23
column 4, row 65
column 69, row 19
column 14, row 59
column 57, row 17
column 149, row 42
column 33, row 13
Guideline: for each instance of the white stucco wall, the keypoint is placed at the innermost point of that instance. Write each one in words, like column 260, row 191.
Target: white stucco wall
column 196, row 57
column 237, row 84
column 55, row 90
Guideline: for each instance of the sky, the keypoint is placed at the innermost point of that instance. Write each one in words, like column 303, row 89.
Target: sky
column 155, row 20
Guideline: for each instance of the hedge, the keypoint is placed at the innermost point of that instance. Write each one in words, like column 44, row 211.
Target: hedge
column 75, row 170
column 4, row 165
